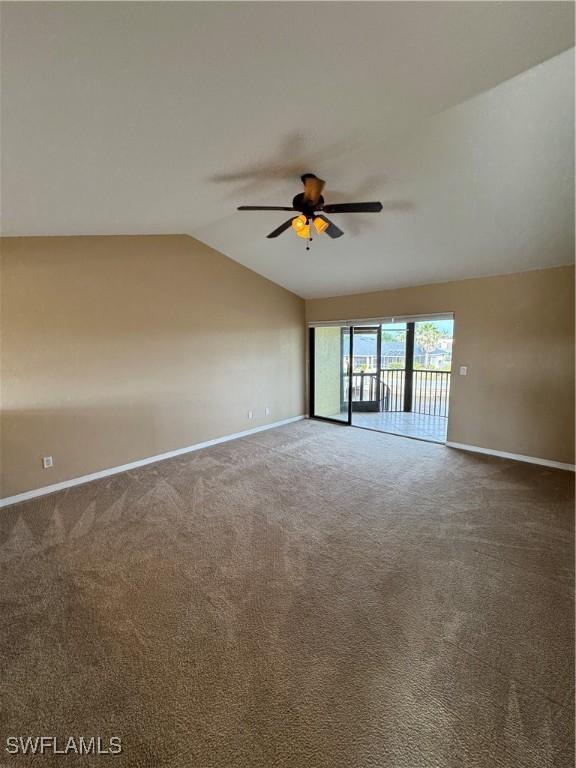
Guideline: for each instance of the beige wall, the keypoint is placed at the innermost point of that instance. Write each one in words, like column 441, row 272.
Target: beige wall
column 516, row 335
column 119, row 348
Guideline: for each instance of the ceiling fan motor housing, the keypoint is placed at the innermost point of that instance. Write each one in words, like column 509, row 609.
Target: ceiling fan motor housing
column 300, row 204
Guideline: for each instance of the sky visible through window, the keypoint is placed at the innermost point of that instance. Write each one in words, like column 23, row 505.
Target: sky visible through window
column 432, row 347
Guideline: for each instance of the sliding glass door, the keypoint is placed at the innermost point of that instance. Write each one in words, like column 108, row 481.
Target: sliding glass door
column 390, row 375
column 330, row 361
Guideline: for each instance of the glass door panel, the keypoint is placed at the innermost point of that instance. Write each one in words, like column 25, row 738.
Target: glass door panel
column 393, row 365
column 366, row 387
column 330, row 358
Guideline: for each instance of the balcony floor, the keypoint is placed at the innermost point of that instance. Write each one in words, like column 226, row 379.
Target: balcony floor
column 431, row 428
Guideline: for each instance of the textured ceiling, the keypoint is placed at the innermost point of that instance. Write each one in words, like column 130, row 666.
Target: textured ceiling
column 162, row 117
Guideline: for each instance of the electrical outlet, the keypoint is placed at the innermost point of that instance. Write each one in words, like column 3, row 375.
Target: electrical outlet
column 47, row 462
column 250, row 414
column 267, row 411
column 463, row 370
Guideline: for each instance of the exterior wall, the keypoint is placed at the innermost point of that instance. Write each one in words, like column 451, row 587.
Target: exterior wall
column 327, row 372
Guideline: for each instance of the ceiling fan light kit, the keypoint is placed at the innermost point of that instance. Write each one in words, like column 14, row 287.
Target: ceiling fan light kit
column 320, row 224
column 308, row 204
column 300, row 226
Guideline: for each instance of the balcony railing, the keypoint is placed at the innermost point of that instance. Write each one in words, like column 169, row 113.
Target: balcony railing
column 430, row 391
column 394, row 381
column 369, row 393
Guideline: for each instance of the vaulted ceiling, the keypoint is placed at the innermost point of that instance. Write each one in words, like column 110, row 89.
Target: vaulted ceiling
column 140, row 118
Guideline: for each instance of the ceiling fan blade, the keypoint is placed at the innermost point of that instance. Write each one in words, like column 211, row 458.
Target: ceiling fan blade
column 313, row 187
column 264, row 208
column 332, row 231
column 280, row 229
column 353, row 208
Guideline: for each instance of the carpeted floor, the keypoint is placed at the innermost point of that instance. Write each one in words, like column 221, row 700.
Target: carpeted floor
column 311, row 596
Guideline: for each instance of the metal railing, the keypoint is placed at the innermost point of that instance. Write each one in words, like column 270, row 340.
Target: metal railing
column 430, row 390
column 395, row 380
column 368, row 388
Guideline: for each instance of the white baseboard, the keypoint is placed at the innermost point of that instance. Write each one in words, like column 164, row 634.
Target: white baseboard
column 513, row 456
column 9, row 500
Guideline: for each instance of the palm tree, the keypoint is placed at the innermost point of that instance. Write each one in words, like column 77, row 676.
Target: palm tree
column 427, row 337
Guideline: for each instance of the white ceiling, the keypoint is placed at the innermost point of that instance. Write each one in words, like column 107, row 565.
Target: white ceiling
column 162, row 117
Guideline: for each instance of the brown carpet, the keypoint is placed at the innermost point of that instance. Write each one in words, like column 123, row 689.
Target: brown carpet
column 311, row 596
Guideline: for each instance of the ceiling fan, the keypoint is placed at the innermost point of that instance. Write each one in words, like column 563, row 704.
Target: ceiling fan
column 311, row 207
